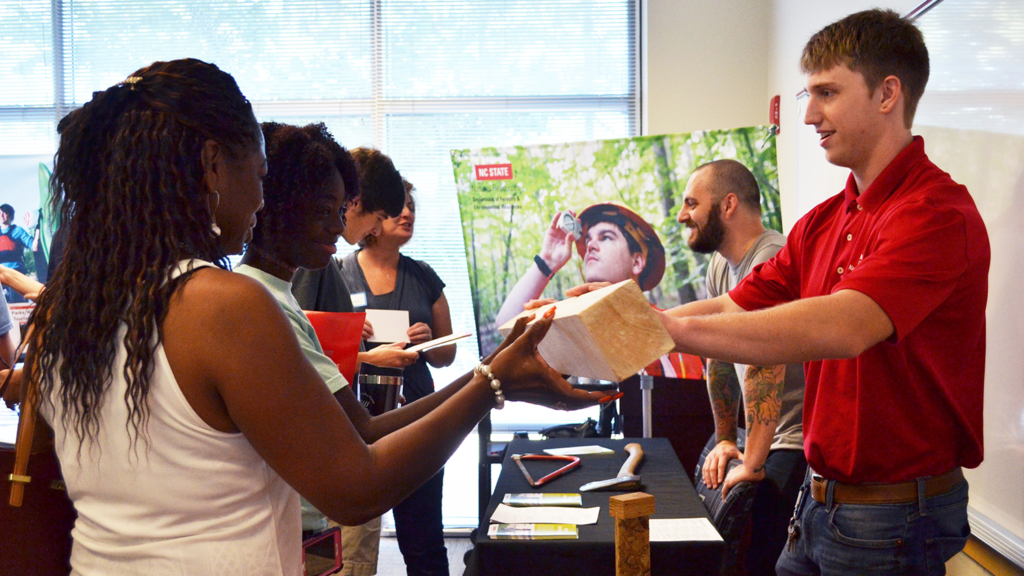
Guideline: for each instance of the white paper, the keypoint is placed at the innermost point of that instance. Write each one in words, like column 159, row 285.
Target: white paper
column 442, row 341
column 683, row 530
column 388, row 325
column 579, row 450
column 544, row 515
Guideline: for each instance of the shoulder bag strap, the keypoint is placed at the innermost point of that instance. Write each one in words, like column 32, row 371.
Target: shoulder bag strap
column 26, row 429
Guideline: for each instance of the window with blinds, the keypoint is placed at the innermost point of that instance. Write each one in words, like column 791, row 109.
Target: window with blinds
column 415, row 78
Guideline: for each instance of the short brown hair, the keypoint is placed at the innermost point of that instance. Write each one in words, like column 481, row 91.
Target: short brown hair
column 877, row 43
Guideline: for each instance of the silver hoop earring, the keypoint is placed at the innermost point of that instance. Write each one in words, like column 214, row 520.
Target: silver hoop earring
column 213, row 216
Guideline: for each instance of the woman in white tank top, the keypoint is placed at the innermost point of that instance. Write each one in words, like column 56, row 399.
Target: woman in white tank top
column 185, row 414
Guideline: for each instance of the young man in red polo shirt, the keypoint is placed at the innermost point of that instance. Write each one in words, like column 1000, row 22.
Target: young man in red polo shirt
column 881, row 292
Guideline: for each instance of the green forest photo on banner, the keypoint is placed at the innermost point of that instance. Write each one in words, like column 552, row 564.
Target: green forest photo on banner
column 509, row 198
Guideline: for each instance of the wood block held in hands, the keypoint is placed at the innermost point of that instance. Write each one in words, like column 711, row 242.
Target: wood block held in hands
column 609, row 334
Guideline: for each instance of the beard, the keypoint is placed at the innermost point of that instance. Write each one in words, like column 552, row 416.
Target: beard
column 709, row 238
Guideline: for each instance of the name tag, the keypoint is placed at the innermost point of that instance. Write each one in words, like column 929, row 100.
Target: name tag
column 359, row 300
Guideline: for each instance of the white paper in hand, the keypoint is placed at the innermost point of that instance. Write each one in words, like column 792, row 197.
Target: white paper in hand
column 388, row 325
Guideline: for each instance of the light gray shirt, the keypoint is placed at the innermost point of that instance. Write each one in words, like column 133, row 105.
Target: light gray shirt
column 723, row 277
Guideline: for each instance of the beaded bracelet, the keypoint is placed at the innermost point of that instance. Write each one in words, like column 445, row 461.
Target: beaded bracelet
column 485, row 370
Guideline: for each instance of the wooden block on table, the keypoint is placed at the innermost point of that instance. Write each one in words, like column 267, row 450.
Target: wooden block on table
column 632, row 533
column 631, row 505
column 608, row 334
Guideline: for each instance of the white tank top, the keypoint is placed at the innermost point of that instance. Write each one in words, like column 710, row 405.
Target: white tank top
column 193, row 501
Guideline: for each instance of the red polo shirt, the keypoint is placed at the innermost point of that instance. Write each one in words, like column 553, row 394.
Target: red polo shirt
column 914, row 242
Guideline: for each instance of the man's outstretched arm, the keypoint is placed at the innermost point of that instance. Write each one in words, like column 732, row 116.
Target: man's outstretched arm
column 839, row 325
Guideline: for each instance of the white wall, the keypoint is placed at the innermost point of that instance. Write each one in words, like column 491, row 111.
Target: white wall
column 805, row 178
column 708, row 65
column 704, row 64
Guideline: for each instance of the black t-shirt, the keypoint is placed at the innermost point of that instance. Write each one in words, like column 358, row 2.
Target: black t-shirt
column 417, row 287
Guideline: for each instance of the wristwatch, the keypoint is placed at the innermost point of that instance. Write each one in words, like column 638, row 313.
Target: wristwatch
column 544, row 268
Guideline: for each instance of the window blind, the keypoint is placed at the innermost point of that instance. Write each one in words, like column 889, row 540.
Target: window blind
column 415, row 78
column 457, row 75
column 27, row 113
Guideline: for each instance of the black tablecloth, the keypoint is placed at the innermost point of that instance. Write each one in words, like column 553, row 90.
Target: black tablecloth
column 593, row 554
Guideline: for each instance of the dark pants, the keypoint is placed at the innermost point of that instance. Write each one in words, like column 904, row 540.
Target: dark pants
column 420, row 530
column 773, row 507
column 878, row 539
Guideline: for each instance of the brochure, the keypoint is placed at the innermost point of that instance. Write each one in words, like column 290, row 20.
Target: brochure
column 542, row 499
column 533, row 532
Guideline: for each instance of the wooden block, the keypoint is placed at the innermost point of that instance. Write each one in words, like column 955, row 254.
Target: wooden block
column 609, row 334
column 632, row 533
column 631, row 505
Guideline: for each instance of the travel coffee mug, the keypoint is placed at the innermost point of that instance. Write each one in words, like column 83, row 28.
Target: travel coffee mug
column 379, row 388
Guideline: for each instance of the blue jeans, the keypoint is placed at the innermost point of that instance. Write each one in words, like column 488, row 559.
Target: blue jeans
column 877, row 539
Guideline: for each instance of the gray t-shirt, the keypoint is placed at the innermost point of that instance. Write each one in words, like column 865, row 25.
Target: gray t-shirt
column 723, row 277
column 322, row 290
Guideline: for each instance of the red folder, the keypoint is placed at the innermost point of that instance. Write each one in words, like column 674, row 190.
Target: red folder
column 339, row 334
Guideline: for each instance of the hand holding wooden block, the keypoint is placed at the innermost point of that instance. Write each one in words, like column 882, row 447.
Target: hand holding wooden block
column 608, row 334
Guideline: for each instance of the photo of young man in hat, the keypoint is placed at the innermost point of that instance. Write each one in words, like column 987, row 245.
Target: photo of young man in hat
column 614, row 244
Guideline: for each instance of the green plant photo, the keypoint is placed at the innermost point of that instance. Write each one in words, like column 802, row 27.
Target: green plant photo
column 509, row 198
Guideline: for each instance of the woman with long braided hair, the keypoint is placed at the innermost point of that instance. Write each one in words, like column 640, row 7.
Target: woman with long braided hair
column 185, row 414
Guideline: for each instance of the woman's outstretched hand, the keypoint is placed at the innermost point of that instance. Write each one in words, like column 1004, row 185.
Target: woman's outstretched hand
column 517, row 330
column 526, row 377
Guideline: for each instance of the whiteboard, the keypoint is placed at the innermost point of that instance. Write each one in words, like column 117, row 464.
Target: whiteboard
column 972, row 121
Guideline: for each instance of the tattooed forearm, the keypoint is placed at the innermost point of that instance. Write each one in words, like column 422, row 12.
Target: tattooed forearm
column 724, row 390
column 762, row 393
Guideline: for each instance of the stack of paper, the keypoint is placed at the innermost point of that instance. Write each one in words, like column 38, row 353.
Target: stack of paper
column 532, row 518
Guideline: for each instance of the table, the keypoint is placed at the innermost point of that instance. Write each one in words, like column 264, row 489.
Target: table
column 593, row 554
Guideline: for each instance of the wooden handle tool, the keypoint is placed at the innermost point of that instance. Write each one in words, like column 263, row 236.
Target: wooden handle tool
column 627, row 478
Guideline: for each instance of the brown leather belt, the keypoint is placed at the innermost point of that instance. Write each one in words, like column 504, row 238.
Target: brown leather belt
column 899, row 493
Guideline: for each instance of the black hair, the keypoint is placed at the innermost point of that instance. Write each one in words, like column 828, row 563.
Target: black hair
column 301, row 161
column 7, row 209
column 128, row 184
column 410, row 198
column 380, row 183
